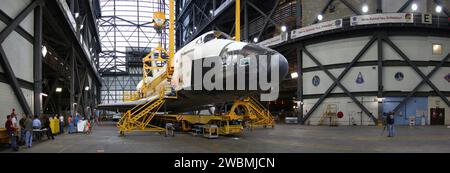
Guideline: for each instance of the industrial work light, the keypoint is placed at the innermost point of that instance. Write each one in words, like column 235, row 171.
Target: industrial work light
column 319, row 17
column 438, row 9
column 414, row 7
column 294, row 75
column 283, row 28
column 365, row 9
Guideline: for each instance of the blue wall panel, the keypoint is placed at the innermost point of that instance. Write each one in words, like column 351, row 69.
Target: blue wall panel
column 414, row 105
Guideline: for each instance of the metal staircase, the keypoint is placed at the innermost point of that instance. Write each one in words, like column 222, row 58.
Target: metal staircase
column 139, row 117
column 331, row 114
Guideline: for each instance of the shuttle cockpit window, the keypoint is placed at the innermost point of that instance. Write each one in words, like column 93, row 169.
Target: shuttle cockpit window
column 244, row 61
column 215, row 35
column 199, row 41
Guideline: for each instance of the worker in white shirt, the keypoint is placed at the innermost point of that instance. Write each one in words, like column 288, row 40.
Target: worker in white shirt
column 61, row 124
column 14, row 118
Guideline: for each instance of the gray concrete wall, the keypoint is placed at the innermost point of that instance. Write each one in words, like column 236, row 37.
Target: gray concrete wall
column 20, row 56
column 417, row 48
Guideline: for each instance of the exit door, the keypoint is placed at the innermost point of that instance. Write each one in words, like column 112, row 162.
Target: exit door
column 437, row 116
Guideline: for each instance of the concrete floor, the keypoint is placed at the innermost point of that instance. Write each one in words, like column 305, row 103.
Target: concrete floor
column 283, row 139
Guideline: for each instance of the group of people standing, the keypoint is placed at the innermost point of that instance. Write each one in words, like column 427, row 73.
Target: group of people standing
column 73, row 124
column 21, row 132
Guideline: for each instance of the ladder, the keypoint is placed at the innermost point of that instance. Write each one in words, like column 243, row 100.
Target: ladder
column 139, row 117
column 331, row 114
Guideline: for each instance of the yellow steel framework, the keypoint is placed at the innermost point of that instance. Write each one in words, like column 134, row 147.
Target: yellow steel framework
column 187, row 121
column 238, row 20
column 171, row 38
column 139, row 117
column 254, row 114
column 331, row 114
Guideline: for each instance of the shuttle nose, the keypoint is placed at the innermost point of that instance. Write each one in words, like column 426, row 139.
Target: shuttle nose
column 283, row 65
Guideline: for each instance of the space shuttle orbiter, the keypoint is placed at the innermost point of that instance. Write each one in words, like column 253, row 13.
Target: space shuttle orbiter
column 214, row 44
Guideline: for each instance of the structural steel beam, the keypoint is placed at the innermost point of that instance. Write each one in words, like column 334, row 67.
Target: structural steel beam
column 246, row 21
column 410, row 94
column 15, row 23
column 37, row 60
column 206, row 25
column 298, row 13
column 337, row 81
column 262, row 13
column 266, row 21
column 405, row 5
column 417, row 70
column 351, row 7
column 7, row 20
column 380, row 65
column 4, row 60
column 13, row 82
column 299, row 85
column 323, row 10
column 237, row 33
column 380, row 72
column 72, row 82
column 202, row 12
column 444, row 8
column 379, row 6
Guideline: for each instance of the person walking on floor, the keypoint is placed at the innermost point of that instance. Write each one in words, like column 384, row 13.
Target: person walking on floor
column 70, row 122
column 11, row 132
column 88, row 127
column 22, row 129
column 48, row 127
column 28, row 131
column 390, row 124
column 75, row 122
column 61, row 124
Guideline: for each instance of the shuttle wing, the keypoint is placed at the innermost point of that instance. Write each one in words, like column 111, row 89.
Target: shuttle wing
column 124, row 106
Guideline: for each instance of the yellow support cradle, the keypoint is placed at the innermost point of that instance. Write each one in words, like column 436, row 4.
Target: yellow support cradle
column 255, row 113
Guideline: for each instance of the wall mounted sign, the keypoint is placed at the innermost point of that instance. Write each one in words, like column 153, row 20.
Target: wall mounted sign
column 274, row 40
column 381, row 18
column 447, row 77
column 316, row 80
column 427, row 18
column 399, row 76
column 340, row 114
column 320, row 27
column 359, row 78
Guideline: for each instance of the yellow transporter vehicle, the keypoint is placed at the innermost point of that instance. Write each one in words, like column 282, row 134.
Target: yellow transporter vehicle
column 243, row 113
column 226, row 125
